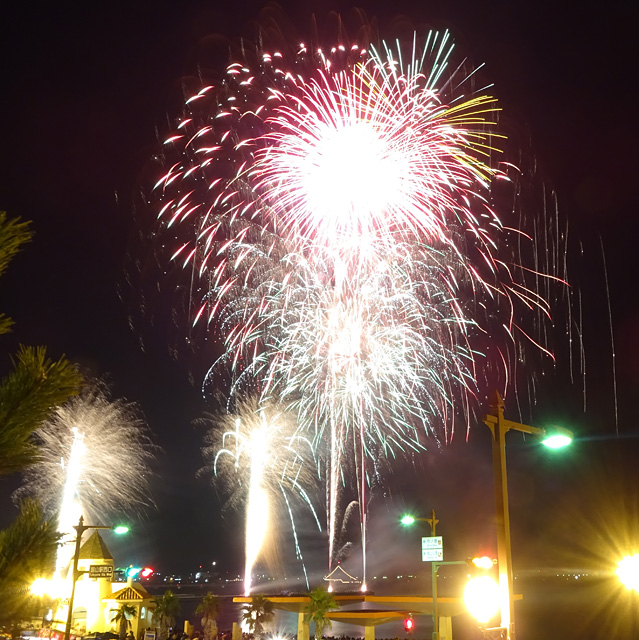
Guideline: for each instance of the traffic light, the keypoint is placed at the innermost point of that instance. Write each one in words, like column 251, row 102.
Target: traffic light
column 146, row 572
column 483, row 562
column 132, row 571
column 409, row 624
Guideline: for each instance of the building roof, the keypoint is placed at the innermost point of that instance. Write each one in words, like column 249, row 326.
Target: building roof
column 130, row 593
column 339, row 574
column 95, row 549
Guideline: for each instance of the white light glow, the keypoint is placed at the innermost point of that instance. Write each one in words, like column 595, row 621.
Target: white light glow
column 481, row 597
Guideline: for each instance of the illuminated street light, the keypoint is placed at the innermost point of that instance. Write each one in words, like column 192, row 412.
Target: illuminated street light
column 628, row 572
column 485, row 563
column 80, row 529
column 481, row 597
column 52, row 587
column 407, row 520
column 499, row 426
column 557, row 438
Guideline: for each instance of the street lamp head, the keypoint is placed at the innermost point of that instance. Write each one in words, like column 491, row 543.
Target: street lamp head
column 121, row 529
column 481, row 597
column 628, row 572
column 557, row 438
column 407, row 520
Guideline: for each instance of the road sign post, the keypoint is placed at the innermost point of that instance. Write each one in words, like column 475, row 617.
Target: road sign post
column 432, row 549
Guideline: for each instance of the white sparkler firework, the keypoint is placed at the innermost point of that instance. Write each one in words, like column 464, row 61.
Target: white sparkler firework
column 94, row 461
column 261, row 459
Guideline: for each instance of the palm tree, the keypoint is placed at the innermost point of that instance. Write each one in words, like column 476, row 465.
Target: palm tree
column 36, row 385
column 258, row 613
column 123, row 617
column 321, row 603
column 28, row 395
column 167, row 607
column 209, row 608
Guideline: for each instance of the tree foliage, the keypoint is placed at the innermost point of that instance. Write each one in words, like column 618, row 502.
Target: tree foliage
column 209, row 608
column 122, row 618
column 321, row 603
column 27, row 551
column 258, row 613
column 28, row 395
column 13, row 234
column 36, row 384
column 167, row 608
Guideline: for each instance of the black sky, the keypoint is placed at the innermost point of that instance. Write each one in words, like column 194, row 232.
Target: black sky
column 87, row 86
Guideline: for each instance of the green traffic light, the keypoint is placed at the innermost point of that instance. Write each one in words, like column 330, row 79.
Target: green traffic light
column 131, row 572
column 120, row 529
column 407, row 520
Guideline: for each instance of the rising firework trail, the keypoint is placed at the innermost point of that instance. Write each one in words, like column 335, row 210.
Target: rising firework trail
column 261, row 459
column 94, row 461
column 336, row 210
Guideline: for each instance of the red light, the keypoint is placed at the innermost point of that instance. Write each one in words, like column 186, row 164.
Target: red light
column 409, row 625
column 146, row 572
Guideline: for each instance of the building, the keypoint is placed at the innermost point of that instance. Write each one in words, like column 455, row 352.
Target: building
column 97, row 599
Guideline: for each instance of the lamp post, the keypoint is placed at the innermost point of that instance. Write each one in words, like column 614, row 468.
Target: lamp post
column 80, row 529
column 499, row 426
column 408, row 519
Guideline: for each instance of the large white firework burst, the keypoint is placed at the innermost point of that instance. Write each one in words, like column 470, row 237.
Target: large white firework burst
column 94, row 458
column 336, row 211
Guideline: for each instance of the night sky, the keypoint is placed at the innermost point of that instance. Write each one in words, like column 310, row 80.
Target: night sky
column 87, row 88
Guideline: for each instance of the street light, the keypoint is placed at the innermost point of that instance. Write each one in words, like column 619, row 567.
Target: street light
column 499, row 426
column 628, row 572
column 481, row 597
column 408, row 520
column 80, row 529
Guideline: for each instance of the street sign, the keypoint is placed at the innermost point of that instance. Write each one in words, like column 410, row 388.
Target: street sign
column 432, row 555
column 432, row 549
column 101, row 571
column 432, row 542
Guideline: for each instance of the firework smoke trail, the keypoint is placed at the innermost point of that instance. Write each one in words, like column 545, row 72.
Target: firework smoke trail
column 95, row 457
column 260, row 459
column 257, row 506
column 70, row 510
column 343, row 243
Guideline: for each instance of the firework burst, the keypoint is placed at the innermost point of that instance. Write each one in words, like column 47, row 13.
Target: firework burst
column 94, row 461
column 337, row 214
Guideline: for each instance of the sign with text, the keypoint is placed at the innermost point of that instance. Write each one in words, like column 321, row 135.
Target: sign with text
column 432, row 542
column 101, row 571
column 432, row 548
column 432, row 555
